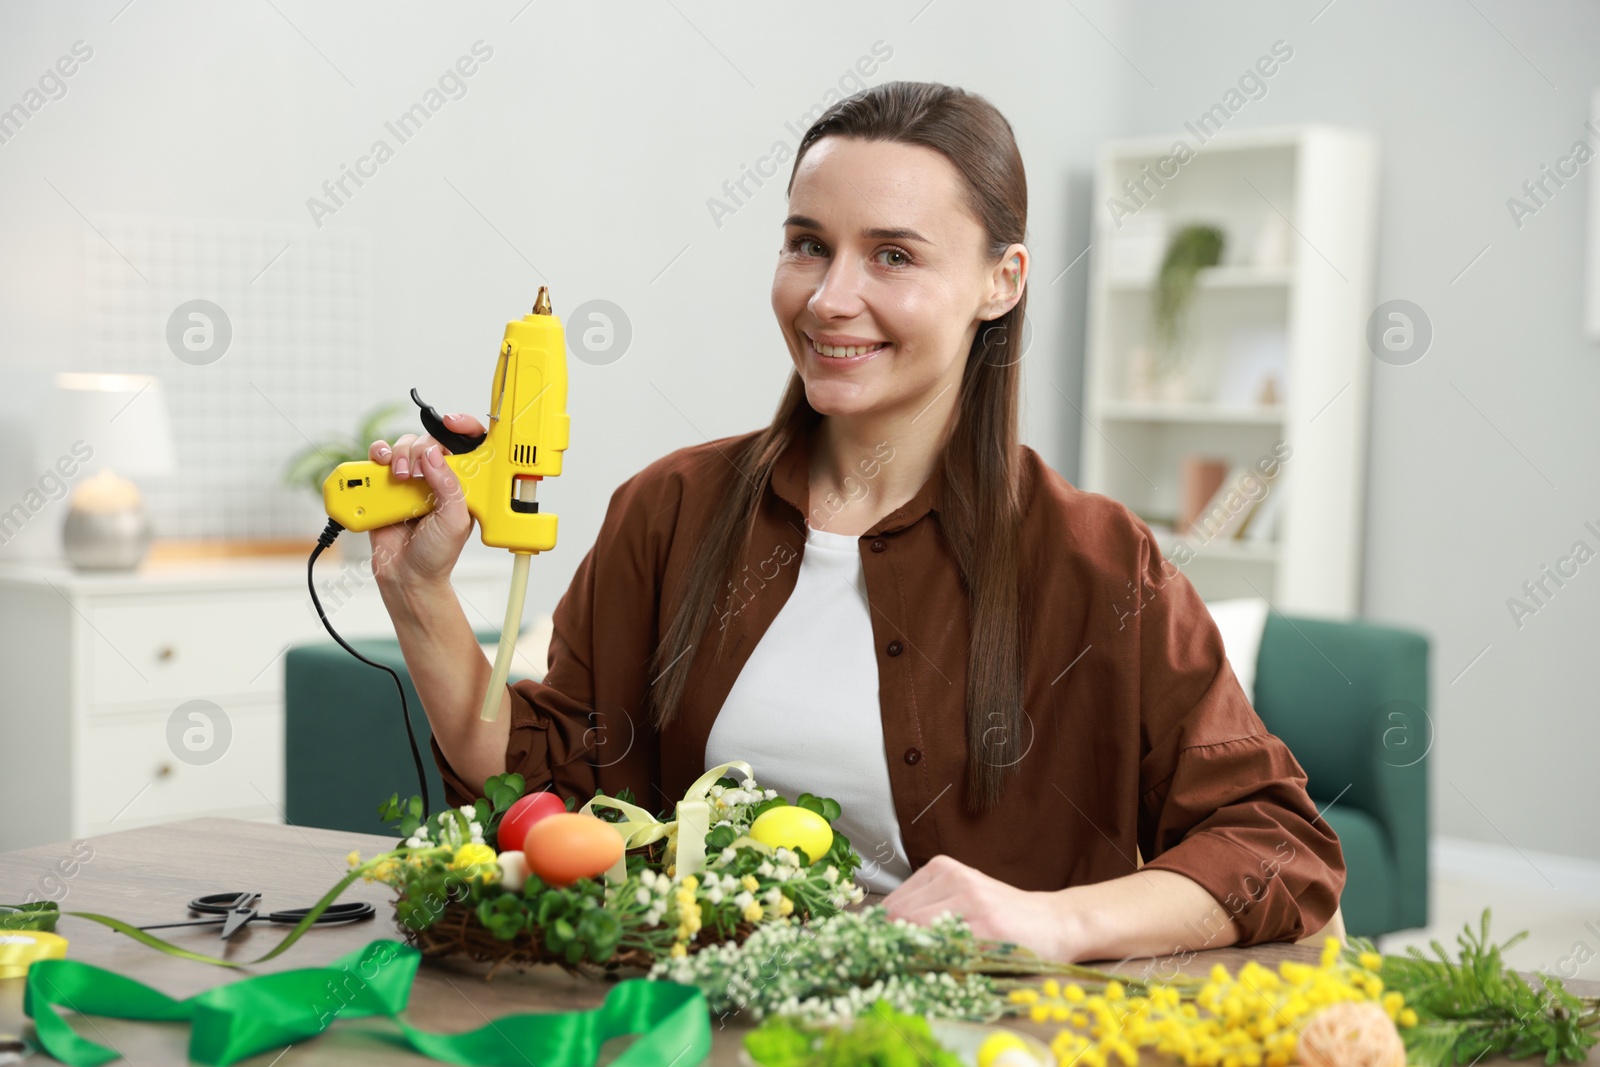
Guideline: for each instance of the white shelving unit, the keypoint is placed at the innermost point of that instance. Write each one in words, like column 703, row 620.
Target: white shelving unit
column 1316, row 186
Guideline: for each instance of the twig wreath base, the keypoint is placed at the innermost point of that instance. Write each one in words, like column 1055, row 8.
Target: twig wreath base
column 458, row 933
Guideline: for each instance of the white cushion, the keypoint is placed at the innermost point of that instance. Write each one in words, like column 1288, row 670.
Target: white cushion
column 1241, row 622
column 532, row 649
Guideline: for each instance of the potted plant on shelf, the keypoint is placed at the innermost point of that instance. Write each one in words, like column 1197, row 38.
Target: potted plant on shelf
column 310, row 467
column 1193, row 248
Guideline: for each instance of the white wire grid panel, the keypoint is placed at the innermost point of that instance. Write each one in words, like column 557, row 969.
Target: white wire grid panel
column 297, row 369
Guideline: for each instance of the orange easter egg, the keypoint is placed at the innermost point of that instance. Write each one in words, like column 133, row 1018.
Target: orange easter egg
column 564, row 847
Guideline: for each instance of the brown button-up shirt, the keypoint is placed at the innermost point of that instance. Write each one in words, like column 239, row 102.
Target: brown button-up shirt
column 1140, row 746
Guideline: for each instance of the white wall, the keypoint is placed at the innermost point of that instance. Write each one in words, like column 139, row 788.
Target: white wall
column 1483, row 454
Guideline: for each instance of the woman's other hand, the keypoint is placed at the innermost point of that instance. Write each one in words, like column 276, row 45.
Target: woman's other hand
column 1153, row 912
column 1040, row 921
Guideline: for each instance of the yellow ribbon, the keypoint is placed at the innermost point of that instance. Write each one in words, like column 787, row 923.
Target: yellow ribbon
column 685, row 835
column 20, row 949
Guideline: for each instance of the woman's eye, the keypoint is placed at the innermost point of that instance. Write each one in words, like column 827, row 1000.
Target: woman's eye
column 798, row 244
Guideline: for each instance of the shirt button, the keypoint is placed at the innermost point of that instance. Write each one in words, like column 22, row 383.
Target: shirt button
column 879, row 544
column 895, row 648
column 913, row 755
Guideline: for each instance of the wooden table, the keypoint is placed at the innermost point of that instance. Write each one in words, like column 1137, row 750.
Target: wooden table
column 148, row 875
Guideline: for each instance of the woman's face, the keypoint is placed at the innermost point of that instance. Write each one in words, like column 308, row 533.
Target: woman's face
column 884, row 266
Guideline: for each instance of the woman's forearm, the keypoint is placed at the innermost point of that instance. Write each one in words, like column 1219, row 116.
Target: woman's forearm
column 1146, row 913
column 450, row 672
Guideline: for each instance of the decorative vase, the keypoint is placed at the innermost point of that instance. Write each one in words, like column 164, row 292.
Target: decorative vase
column 1153, row 380
column 1172, row 383
column 1170, row 372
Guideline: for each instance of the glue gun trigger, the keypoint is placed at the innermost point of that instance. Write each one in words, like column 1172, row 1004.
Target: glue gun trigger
column 457, row 443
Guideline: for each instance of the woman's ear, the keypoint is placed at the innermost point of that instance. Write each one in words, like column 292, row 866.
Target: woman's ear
column 1009, row 278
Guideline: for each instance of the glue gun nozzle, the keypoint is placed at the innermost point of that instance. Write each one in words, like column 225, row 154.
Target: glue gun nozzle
column 541, row 305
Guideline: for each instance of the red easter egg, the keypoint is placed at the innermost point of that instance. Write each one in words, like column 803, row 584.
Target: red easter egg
column 521, row 816
column 565, row 847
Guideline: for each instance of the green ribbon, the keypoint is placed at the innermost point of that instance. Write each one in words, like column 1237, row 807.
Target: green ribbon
column 254, row 1015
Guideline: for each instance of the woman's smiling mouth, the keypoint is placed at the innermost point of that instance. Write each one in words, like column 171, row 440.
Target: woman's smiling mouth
column 845, row 354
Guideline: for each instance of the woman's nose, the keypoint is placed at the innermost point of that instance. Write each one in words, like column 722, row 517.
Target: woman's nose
column 839, row 293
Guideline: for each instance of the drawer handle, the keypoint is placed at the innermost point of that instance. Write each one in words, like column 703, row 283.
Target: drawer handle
column 166, row 652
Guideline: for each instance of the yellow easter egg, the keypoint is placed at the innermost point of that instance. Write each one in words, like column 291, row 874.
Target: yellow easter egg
column 788, row 826
column 1004, row 1049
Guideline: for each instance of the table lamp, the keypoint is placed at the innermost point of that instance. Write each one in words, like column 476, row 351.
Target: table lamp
column 122, row 419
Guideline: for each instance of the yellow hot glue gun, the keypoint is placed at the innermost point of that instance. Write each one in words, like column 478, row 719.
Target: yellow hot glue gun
column 499, row 470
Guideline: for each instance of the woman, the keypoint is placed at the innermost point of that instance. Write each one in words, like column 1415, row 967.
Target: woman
column 1024, row 710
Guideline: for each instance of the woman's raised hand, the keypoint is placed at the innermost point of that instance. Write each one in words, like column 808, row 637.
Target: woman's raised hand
column 423, row 550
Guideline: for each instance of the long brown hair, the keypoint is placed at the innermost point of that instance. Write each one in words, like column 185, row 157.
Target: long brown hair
column 980, row 460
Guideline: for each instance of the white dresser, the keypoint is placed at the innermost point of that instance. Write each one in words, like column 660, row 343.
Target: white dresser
column 134, row 698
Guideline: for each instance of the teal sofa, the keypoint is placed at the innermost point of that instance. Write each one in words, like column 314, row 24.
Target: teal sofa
column 1350, row 700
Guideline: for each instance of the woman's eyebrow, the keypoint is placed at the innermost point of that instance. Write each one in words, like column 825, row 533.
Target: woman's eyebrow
column 878, row 234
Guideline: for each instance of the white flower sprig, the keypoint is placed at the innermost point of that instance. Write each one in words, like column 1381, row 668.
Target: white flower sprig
column 649, row 889
column 832, row 969
column 450, row 828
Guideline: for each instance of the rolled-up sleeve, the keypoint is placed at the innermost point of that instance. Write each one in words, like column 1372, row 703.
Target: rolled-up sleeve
column 550, row 739
column 553, row 722
column 1223, row 801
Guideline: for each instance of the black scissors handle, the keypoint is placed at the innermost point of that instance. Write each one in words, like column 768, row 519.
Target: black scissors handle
column 226, row 906
column 222, row 903
column 333, row 915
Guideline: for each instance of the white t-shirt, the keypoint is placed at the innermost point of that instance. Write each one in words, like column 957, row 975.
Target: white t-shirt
column 804, row 711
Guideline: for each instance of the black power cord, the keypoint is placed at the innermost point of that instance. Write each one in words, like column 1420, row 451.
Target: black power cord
column 324, row 539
